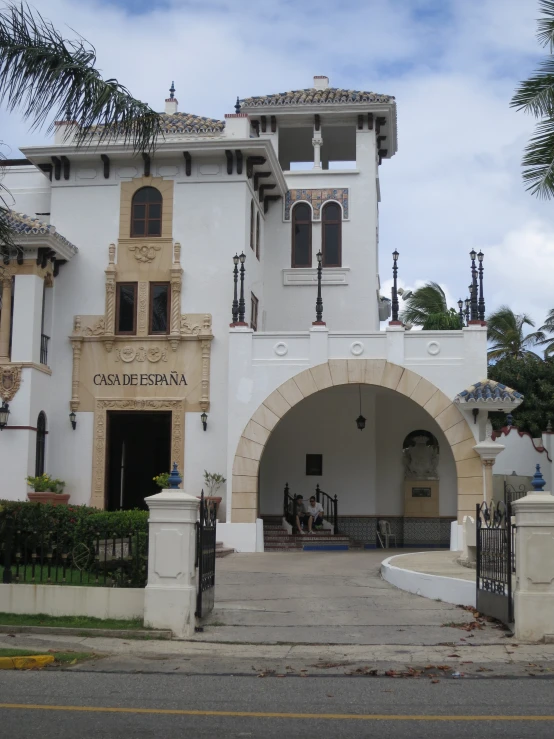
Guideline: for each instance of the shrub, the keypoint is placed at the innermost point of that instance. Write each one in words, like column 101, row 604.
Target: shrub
column 81, row 528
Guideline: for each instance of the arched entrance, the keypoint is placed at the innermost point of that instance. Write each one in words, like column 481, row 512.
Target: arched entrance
column 458, row 434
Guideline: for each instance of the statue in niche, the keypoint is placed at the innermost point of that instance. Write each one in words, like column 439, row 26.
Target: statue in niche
column 420, row 456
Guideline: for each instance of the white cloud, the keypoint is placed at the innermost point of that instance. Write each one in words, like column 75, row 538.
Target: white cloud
column 455, row 183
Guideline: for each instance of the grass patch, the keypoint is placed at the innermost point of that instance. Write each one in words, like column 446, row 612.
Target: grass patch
column 70, row 622
column 17, row 653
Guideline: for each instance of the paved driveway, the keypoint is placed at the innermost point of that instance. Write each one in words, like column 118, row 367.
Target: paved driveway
column 327, row 598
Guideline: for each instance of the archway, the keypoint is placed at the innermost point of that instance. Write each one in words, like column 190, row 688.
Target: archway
column 458, row 434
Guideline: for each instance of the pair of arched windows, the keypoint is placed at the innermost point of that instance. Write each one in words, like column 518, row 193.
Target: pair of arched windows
column 146, row 213
column 331, row 236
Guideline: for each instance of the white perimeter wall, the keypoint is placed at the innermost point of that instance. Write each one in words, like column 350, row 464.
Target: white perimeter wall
column 363, row 468
column 67, row 600
column 521, row 456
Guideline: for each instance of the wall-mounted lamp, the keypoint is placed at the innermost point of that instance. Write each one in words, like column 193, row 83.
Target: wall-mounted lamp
column 73, row 420
column 4, row 415
column 475, row 412
column 204, row 419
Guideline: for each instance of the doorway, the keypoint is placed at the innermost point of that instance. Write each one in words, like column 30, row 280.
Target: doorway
column 139, row 445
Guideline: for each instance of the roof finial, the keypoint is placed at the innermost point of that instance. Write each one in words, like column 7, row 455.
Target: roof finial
column 172, row 90
column 237, row 105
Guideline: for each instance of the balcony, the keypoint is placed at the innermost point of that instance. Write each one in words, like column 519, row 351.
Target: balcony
column 44, row 348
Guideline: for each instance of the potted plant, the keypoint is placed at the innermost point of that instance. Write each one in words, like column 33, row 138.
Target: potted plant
column 213, row 482
column 162, row 480
column 46, row 489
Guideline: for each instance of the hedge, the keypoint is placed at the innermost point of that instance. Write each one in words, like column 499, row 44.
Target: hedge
column 76, row 526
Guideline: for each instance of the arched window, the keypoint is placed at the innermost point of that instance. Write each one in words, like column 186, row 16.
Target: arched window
column 331, row 246
column 41, row 444
column 146, row 212
column 301, row 236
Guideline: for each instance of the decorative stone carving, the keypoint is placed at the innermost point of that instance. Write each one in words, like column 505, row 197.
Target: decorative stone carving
column 189, row 328
column 144, row 252
column 142, row 309
column 140, row 354
column 317, row 198
column 10, row 381
column 97, row 329
column 420, row 459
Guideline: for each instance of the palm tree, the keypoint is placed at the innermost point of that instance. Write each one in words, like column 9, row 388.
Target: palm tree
column 536, row 96
column 505, row 331
column 427, row 307
column 548, row 327
column 42, row 74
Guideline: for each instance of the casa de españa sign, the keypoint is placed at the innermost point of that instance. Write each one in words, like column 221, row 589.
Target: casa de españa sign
column 150, row 368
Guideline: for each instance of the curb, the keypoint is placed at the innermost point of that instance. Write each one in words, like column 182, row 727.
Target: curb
column 109, row 633
column 436, row 587
column 26, row 663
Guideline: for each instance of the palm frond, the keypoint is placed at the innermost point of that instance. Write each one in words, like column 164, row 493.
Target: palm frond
column 548, row 325
column 43, row 73
column 538, row 161
column 545, row 26
column 536, row 94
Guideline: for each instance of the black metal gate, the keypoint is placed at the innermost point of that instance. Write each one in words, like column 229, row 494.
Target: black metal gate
column 495, row 561
column 205, row 556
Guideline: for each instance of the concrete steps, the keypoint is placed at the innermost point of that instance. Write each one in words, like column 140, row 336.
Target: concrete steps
column 276, row 539
column 221, row 550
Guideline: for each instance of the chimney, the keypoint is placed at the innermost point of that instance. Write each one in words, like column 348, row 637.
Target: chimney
column 321, row 82
column 171, row 103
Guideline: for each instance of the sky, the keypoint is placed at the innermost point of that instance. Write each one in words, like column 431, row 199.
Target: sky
column 453, row 65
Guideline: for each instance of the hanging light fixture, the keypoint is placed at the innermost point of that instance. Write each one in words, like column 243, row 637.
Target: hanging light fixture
column 360, row 421
column 73, row 420
column 204, row 419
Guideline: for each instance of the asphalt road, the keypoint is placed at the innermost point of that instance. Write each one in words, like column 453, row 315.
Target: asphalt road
column 68, row 704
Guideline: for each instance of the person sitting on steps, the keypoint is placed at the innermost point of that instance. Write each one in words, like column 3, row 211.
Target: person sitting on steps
column 315, row 514
column 302, row 518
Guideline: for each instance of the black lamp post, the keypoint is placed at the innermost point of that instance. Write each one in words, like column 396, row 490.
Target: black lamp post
column 466, row 312
column 473, row 295
column 360, row 421
column 394, row 306
column 461, row 312
column 319, row 302
column 481, row 311
column 73, row 420
column 242, row 260
column 204, row 419
column 235, row 308
column 4, row 415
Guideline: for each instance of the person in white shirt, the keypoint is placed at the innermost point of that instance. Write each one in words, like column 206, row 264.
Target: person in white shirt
column 314, row 513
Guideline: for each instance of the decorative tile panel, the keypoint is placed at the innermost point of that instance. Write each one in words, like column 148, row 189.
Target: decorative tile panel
column 317, row 198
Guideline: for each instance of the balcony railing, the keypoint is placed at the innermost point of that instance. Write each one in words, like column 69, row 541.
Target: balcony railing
column 44, row 348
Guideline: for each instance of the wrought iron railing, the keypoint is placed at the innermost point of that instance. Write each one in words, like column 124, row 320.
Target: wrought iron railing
column 330, row 507
column 44, row 348
column 495, row 562
column 50, row 557
column 511, row 493
column 206, row 555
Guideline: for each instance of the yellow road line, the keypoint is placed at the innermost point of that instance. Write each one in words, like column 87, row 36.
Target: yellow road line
column 270, row 714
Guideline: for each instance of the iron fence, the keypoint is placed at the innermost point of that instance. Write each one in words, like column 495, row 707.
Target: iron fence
column 205, row 556
column 512, row 493
column 330, row 508
column 53, row 557
column 495, row 561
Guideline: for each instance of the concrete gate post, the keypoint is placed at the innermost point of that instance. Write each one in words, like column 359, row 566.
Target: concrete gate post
column 170, row 595
column 534, row 593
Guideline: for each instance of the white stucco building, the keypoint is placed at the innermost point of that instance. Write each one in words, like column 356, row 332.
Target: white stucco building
column 127, row 267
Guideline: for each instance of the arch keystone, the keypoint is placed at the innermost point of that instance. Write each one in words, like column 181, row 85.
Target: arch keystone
column 356, row 370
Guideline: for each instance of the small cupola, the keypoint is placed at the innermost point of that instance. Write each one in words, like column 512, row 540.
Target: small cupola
column 171, row 103
column 321, row 82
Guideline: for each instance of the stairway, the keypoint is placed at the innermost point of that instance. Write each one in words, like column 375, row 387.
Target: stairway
column 276, row 539
column 221, row 550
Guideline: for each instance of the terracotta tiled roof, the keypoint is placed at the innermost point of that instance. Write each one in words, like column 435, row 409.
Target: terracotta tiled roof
column 21, row 223
column 313, row 96
column 187, row 123
column 489, row 391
